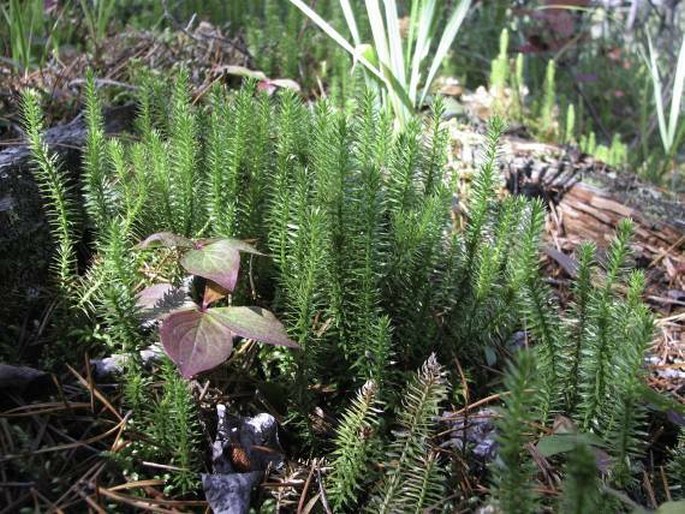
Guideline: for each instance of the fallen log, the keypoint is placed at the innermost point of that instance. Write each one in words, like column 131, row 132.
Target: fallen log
column 588, row 198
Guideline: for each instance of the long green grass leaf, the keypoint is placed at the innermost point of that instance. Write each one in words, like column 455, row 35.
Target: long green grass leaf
column 413, row 19
column 337, row 37
column 351, row 21
column 656, row 81
column 423, row 42
column 395, row 42
column 453, row 26
column 677, row 96
column 380, row 40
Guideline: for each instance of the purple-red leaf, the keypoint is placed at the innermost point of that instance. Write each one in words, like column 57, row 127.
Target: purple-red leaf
column 152, row 295
column 158, row 300
column 196, row 340
column 199, row 340
column 242, row 246
column 218, row 261
column 166, row 239
column 254, row 323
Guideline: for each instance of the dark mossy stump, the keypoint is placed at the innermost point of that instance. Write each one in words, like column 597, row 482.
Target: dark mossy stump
column 25, row 245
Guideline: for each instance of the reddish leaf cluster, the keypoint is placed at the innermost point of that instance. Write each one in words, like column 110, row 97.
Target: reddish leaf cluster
column 198, row 339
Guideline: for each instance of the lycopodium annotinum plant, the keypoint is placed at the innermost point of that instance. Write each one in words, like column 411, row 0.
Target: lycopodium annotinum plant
column 198, row 337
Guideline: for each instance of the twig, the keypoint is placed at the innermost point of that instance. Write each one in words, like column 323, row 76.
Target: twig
column 483, row 401
column 650, row 490
column 90, row 502
column 91, row 385
column 305, row 488
column 664, row 479
column 91, row 473
column 52, row 506
column 104, row 82
column 139, row 503
column 138, row 483
column 41, row 408
column 203, row 392
column 152, row 505
column 162, row 466
column 96, row 392
column 665, row 252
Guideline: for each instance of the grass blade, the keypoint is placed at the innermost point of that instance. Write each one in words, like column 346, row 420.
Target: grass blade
column 423, row 43
column 380, row 41
column 658, row 99
column 453, row 25
column 677, row 93
column 351, row 21
column 395, row 42
column 413, row 19
column 337, row 37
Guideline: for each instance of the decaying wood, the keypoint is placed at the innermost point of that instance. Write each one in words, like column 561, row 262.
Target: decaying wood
column 66, row 138
column 589, row 199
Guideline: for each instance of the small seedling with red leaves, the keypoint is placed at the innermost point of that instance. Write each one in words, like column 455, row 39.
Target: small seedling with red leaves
column 200, row 337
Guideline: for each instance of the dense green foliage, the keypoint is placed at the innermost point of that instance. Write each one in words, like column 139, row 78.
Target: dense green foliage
column 371, row 278
column 515, row 472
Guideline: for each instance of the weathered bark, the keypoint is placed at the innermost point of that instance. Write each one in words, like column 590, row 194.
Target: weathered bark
column 589, row 199
column 65, row 139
